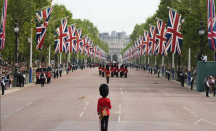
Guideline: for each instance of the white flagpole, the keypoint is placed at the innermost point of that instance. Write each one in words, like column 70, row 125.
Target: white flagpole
column 189, row 65
column 173, row 65
column 60, row 58
column 49, row 54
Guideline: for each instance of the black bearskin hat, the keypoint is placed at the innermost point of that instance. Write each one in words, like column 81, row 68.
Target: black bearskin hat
column 103, row 66
column 104, row 90
column 100, row 65
column 125, row 67
column 107, row 67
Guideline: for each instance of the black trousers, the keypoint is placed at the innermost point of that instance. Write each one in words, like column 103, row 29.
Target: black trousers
column 104, row 123
column 42, row 81
column 168, row 76
column 57, row 75
column 60, row 73
column 125, row 75
column 192, row 85
column 207, row 90
column 3, row 89
column 102, row 74
column 99, row 72
column 48, row 80
column 214, row 86
column 158, row 74
column 107, row 80
column 116, row 74
column 120, row 74
column 111, row 74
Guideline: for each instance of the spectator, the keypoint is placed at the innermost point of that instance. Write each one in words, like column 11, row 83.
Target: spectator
column 213, row 85
column 207, row 87
column 204, row 58
column 204, row 82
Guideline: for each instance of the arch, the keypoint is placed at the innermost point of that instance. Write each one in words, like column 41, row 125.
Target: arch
column 115, row 58
column 109, row 58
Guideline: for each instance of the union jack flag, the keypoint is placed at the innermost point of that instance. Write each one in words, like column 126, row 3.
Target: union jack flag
column 62, row 32
column 211, row 25
column 145, row 43
column 174, row 37
column 152, row 40
column 89, row 47
column 85, row 40
column 2, row 26
column 41, row 28
column 71, row 38
column 161, row 38
column 79, row 39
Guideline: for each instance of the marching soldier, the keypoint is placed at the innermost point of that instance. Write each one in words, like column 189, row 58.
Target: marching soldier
column 42, row 78
column 103, row 107
column 117, row 71
column 48, row 75
column 125, row 71
column 99, row 69
column 102, row 70
column 107, row 73
column 112, row 70
column 121, row 69
column 158, row 72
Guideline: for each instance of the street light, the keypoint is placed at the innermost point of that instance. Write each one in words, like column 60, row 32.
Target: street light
column 16, row 74
column 201, row 33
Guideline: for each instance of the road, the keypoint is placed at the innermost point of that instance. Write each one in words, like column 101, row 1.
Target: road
column 141, row 102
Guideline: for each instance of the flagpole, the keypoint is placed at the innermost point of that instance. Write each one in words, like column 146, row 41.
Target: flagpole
column 163, row 65
column 189, row 65
column 49, row 54
column 78, row 59
column 30, row 63
column 60, row 58
column 173, row 64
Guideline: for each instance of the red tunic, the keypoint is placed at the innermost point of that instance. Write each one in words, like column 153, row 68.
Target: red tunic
column 107, row 73
column 104, row 105
column 99, row 68
column 126, row 70
column 104, row 69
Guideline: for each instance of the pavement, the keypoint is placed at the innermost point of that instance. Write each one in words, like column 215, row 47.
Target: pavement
column 141, row 102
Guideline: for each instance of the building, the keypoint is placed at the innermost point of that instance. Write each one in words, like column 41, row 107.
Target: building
column 116, row 41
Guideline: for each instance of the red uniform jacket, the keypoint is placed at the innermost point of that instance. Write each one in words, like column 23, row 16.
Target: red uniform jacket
column 99, row 68
column 126, row 70
column 114, row 69
column 104, row 69
column 103, row 106
column 48, row 75
column 117, row 70
column 107, row 73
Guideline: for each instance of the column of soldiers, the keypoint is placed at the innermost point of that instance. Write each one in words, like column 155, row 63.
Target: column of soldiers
column 114, row 70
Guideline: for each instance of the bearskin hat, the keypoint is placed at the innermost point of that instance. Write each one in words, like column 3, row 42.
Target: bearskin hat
column 104, row 90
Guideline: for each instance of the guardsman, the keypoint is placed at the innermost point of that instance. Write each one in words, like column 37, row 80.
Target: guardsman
column 112, row 70
column 2, row 85
column 151, row 70
column 125, row 71
column 48, row 75
column 56, row 72
column 102, row 70
column 117, row 71
column 158, row 71
column 121, row 69
column 107, row 73
column 103, row 107
column 99, row 68
column 42, row 78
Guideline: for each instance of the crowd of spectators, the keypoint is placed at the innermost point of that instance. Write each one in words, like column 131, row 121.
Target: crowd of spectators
column 210, row 85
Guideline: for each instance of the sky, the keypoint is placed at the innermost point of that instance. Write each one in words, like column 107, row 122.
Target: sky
column 110, row 15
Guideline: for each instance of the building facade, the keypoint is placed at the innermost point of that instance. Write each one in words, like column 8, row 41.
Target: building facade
column 116, row 41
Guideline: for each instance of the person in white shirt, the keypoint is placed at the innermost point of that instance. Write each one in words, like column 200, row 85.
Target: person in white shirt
column 204, row 58
column 2, row 85
column 192, row 81
column 207, row 87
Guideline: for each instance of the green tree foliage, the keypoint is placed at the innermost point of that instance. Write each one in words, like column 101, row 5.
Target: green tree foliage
column 193, row 11
column 24, row 11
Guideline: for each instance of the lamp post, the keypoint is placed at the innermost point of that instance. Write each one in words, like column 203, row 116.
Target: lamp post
column 201, row 33
column 16, row 74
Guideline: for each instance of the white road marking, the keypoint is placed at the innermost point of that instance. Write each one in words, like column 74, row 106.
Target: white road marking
column 8, row 115
column 190, row 112
column 204, row 121
column 81, row 114
column 20, row 109
column 84, row 109
column 87, row 103
column 163, row 92
column 29, row 104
